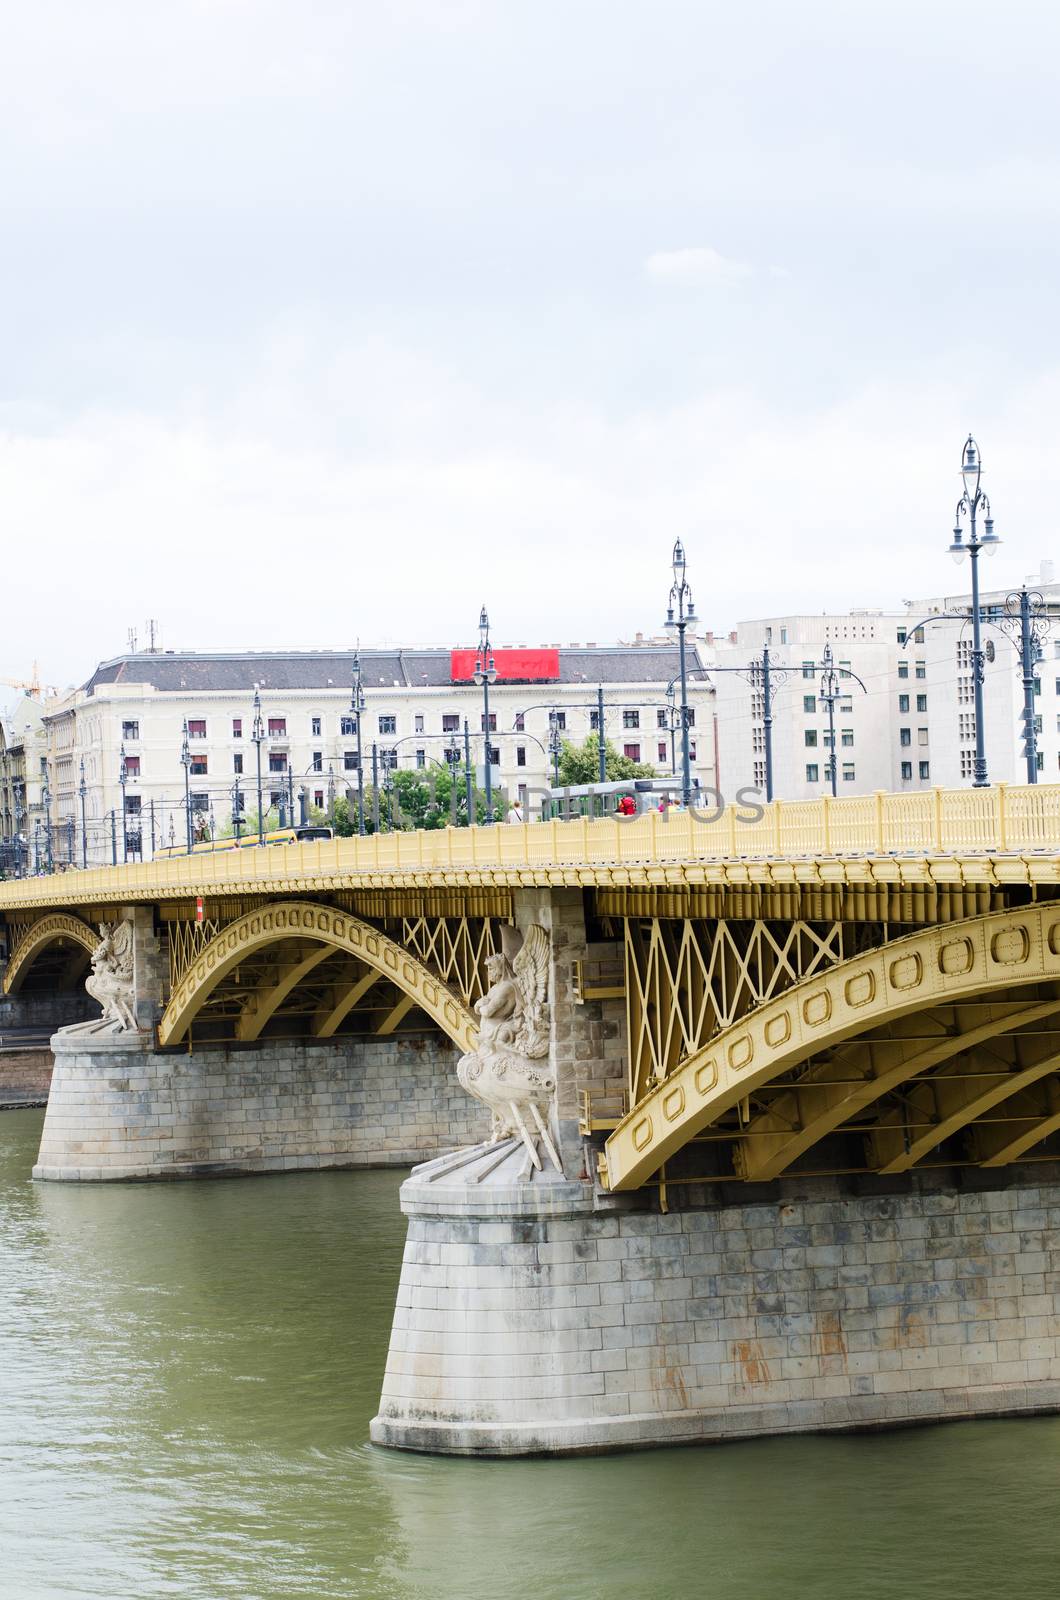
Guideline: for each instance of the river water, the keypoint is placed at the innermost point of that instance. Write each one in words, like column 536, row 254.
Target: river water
column 187, row 1372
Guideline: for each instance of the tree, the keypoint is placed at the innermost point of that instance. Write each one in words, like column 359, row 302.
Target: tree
column 248, row 824
column 580, row 763
column 419, row 797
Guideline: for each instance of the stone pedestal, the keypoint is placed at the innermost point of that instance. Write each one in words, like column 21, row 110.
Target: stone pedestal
column 528, row 1324
column 120, row 1109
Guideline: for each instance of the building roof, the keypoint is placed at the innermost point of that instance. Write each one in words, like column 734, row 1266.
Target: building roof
column 173, row 671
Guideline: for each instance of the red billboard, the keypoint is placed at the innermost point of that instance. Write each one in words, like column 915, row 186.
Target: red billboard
column 525, row 666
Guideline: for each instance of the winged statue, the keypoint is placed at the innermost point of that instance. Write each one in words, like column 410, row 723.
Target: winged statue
column 111, row 981
column 510, row 1070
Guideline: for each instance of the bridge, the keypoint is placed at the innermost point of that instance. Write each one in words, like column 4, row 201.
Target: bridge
column 810, row 1009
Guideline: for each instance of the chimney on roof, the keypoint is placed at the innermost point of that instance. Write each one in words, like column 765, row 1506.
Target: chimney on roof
column 574, row 645
column 638, row 638
column 590, row 644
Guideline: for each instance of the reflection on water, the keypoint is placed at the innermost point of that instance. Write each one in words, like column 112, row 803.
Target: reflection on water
column 186, row 1376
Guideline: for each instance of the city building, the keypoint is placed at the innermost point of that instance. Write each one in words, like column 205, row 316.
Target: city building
column 128, row 721
column 904, row 713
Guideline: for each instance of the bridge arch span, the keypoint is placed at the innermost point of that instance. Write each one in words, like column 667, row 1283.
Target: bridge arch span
column 972, row 971
column 57, row 928
column 326, row 930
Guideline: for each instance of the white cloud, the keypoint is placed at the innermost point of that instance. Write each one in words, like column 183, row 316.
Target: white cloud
column 695, row 267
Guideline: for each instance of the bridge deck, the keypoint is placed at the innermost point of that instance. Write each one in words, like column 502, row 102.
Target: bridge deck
column 995, row 835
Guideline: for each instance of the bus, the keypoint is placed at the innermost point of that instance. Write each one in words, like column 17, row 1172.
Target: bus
column 595, row 800
column 249, row 840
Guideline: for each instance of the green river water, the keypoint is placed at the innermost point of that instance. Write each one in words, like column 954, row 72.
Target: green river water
column 187, row 1372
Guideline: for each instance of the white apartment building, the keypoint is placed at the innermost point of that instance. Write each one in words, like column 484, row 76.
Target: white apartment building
column 910, row 722
column 417, row 703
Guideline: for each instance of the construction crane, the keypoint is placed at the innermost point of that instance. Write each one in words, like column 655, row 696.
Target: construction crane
column 33, row 687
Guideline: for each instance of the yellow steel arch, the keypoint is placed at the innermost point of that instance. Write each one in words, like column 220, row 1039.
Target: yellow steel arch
column 302, row 919
column 57, row 928
column 931, row 968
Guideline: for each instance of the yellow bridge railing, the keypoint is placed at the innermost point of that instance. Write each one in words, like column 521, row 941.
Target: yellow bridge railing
column 993, row 821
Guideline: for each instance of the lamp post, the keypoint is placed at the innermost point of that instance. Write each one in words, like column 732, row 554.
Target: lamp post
column 1026, row 621
column 237, row 808
column 972, row 501
column 185, row 761
column 601, row 746
column 46, row 802
column 258, row 736
column 680, row 612
column 829, row 694
column 554, row 744
column 486, row 673
column 357, row 712
column 469, row 787
column 82, row 791
column 123, row 778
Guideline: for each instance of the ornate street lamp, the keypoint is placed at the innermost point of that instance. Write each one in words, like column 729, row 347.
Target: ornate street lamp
column 486, row 673
column 185, row 761
column 123, row 778
column 554, row 743
column 830, row 694
column 972, row 501
column 258, row 736
column 357, row 712
column 237, row 808
column 82, row 790
column 680, row 612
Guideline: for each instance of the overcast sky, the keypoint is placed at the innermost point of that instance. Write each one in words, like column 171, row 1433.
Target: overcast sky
column 324, row 320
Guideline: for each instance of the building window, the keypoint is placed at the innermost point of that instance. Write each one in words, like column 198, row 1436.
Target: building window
column 807, row 669
column 921, row 736
column 387, row 724
column 318, row 761
column 827, row 740
column 848, row 772
column 520, row 755
column 314, row 728
column 662, row 719
column 482, row 722
column 903, row 669
column 495, row 756
column 846, row 737
column 560, row 719
column 921, row 702
column 349, row 761
column 421, row 755
column 132, row 766
column 417, row 722
column 631, row 719
column 811, row 772
column 907, row 771
column 921, row 669
column 237, row 762
column 277, row 727
column 905, row 737
column 632, row 751
column 520, row 722
column 1039, row 760
column 903, row 704
column 197, row 729
column 451, row 754
column 901, row 640
column 277, row 763
column 318, row 799
column 690, row 717
column 691, row 749
column 810, row 736
column 200, row 802
column 809, row 704
column 132, row 805
column 594, row 720
column 662, row 750
column 759, row 773
column 388, row 758
column 783, row 635
column 198, row 766
column 347, row 727
column 237, row 727
column 130, row 730
column 1037, row 685
column 925, row 769
column 450, row 722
